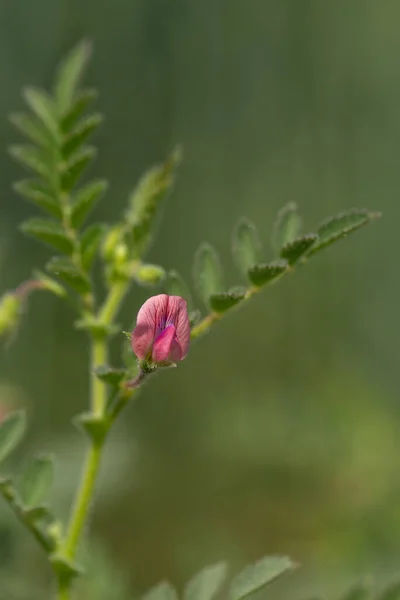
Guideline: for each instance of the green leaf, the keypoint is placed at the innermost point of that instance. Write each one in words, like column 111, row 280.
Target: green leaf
column 176, row 286
column 8, row 490
column 292, row 251
column 162, row 591
column 287, row 226
column 253, row 577
column 264, row 273
column 90, row 243
column 341, row 225
column 145, row 201
column 206, row 584
column 69, row 74
column 50, row 284
column 11, row 431
column 66, row 569
column 223, row 301
column 85, row 200
column 31, row 128
column 37, row 481
column 207, row 272
column 31, row 158
column 357, row 592
column 246, row 245
column 80, row 134
column 49, row 232
column 69, row 273
column 109, row 375
column 391, row 592
column 95, row 426
column 37, row 519
column 78, row 107
column 73, row 168
column 37, row 514
column 96, row 326
column 42, row 106
column 40, row 195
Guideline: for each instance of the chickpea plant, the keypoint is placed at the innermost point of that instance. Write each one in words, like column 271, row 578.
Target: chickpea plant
column 58, row 126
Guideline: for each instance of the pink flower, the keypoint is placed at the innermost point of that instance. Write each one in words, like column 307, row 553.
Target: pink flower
column 162, row 332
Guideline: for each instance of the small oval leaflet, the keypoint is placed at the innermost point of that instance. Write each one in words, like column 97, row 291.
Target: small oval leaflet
column 292, row 251
column 264, row 273
column 222, row 302
column 286, row 227
column 341, row 225
column 74, row 167
column 110, row 376
column 31, row 128
column 37, row 481
column 246, row 245
column 91, row 240
column 253, row 577
column 357, row 592
column 80, row 134
column 207, row 272
column 162, row 591
column 40, row 195
column 69, row 74
column 43, row 107
column 69, row 273
column 85, row 200
column 207, row 583
column 49, row 232
column 11, row 431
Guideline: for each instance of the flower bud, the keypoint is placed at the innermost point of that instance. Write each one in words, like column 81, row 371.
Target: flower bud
column 113, row 241
column 121, row 253
column 10, row 313
column 162, row 332
column 149, row 275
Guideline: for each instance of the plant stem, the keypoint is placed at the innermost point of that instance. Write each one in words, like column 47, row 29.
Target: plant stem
column 113, row 301
column 204, row 325
column 83, row 500
column 92, row 463
column 63, row 591
column 98, row 389
column 93, row 459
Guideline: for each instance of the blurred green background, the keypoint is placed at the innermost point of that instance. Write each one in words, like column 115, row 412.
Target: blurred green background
column 280, row 432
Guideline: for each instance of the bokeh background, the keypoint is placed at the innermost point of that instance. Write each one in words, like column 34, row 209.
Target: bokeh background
column 280, row 433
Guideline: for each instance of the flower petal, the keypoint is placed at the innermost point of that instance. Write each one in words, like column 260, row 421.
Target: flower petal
column 142, row 340
column 150, row 317
column 178, row 315
column 163, row 345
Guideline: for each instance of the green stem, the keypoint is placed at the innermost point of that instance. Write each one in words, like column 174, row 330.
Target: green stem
column 113, row 302
column 205, row 324
column 83, row 501
column 98, row 389
column 93, row 459
column 63, row 591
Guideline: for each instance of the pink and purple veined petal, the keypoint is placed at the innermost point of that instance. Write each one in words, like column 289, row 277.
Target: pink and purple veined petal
column 162, row 332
